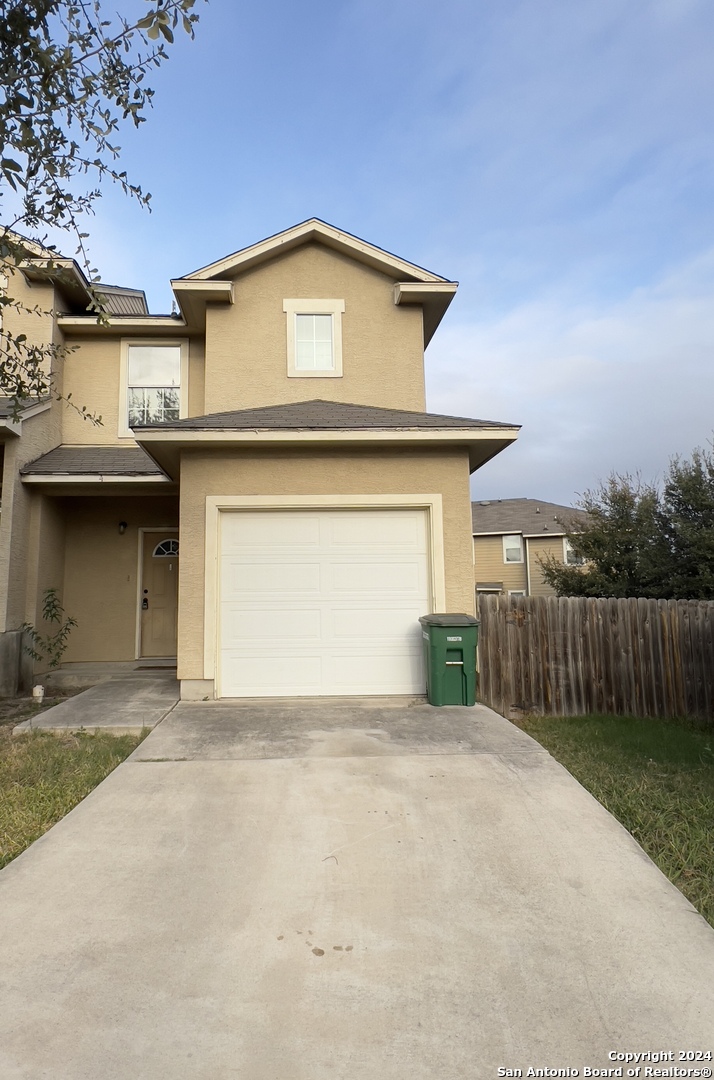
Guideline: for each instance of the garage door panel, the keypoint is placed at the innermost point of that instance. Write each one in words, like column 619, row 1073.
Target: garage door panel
column 378, row 578
column 405, row 531
column 243, row 531
column 388, row 673
column 247, row 675
column 262, row 578
column 276, row 625
column 379, row 626
column 337, row 616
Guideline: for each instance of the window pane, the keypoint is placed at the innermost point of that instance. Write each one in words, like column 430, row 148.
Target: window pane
column 323, row 355
column 137, row 412
column 154, row 365
column 305, row 355
column 168, row 404
column 512, row 549
column 152, row 406
column 323, row 327
column 570, row 557
column 305, row 327
column 313, row 343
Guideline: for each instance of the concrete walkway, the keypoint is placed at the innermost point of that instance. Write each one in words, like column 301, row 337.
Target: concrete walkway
column 324, row 892
column 125, row 704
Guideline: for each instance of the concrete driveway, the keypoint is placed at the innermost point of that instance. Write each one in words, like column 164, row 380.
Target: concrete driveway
column 335, row 892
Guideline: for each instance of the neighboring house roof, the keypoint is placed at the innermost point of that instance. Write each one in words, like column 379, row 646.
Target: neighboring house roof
column 121, row 301
column 317, row 415
column 93, row 460
column 531, row 517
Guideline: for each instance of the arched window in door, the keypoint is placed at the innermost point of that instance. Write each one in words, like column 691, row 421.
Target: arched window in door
column 167, row 549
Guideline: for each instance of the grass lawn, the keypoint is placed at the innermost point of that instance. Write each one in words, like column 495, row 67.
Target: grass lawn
column 654, row 776
column 42, row 776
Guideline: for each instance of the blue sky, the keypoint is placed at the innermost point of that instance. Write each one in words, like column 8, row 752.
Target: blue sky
column 554, row 157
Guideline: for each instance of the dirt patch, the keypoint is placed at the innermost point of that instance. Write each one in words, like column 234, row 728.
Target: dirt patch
column 15, row 710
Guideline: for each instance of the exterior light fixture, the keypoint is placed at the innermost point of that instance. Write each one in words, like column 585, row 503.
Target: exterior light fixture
column 122, row 528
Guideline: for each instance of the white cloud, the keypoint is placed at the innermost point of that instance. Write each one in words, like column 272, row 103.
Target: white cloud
column 620, row 386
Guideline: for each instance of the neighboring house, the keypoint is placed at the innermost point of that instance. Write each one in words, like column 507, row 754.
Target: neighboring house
column 511, row 539
column 266, row 499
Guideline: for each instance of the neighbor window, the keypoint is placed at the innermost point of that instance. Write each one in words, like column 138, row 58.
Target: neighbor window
column 314, row 338
column 153, row 384
column 513, row 548
column 569, row 556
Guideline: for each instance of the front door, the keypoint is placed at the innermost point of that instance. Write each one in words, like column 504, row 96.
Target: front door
column 159, row 594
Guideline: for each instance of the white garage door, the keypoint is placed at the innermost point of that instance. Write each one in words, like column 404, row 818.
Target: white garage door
column 322, row 602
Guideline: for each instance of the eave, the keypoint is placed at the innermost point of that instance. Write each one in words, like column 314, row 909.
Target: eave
column 314, row 230
column 165, row 447
column 64, row 274
column 99, row 484
column 146, row 325
column 12, row 427
column 193, row 296
column 434, row 298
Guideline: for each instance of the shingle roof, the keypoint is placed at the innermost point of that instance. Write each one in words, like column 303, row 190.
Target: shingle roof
column 93, row 460
column 121, row 301
column 527, row 516
column 325, row 416
column 29, row 403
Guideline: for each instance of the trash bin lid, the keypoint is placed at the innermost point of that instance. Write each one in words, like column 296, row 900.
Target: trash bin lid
column 440, row 619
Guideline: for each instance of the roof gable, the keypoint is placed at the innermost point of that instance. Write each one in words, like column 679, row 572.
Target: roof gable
column 315, row 231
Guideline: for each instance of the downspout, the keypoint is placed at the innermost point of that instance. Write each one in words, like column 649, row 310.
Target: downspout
column 528, row 567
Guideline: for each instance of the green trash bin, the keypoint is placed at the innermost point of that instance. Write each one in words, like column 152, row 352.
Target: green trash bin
column 450, row 658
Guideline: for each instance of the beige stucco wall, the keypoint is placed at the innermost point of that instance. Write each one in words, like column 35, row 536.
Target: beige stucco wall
column 313, row 472
column 92, row 377
column 540, row 549
column 489, row 564
column 246, row 343
column 197, row 377
column 100, row 584
column 24, row 527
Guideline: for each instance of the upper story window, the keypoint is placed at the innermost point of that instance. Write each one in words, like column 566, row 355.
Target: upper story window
column 513, row 548
column 569, row 556
column 314, row 338
column 153, row 383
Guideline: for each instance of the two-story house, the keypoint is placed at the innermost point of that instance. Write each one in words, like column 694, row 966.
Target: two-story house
column 266, row 499
column 512, row 540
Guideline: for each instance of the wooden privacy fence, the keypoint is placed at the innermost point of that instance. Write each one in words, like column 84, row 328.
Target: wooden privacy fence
column 570, row 656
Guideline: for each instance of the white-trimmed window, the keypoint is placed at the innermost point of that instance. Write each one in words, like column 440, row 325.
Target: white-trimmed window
column 513, row 548
column 314, row 338
column 569, row 556
column 154, row 383
column 516, row 592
